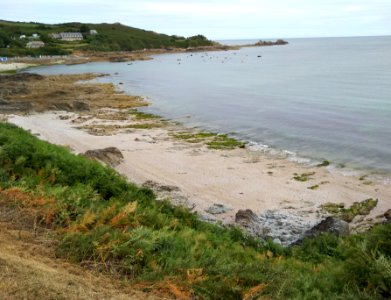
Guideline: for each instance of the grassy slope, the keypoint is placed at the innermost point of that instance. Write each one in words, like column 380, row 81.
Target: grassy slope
column 119, row 228
column 29, row 270
column 110, row 37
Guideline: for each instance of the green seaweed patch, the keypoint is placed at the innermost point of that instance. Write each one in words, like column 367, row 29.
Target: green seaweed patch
column 139, row 115
column 188, row 136
column 362, row 208
column 224, row 142
column 8, row 72
column 212, row 140
column 303, row 177
column 324, row 163
column 145, row 126
column 314, row 187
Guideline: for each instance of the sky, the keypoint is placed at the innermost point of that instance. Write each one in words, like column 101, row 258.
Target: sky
column 216, row 19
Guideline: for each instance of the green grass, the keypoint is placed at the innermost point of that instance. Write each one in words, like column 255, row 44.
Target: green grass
column 104, row 221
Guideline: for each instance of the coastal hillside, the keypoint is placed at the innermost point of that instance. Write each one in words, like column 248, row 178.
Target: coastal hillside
column 90, row 215
column 19, row 38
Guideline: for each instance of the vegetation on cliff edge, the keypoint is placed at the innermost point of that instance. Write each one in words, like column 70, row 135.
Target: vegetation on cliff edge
column 110, row 224
column 109, row 37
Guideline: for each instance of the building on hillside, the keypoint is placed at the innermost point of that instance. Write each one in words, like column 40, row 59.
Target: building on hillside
column 23, row 36
column 35, row 44
column 68, row 36
column 93, row 32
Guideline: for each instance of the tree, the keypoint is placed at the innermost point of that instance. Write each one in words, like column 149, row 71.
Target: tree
column 84, row 29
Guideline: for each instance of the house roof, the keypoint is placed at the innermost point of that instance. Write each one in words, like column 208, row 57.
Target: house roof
column 71, row 35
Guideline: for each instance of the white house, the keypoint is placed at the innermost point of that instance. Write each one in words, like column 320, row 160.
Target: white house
column 71, row 36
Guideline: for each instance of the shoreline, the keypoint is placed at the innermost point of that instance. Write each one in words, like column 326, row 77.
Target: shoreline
column 201, row 178
column 190, row 173
column 83, row 57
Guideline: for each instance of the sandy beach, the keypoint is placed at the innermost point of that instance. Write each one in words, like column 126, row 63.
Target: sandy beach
column 13, row 66
column 238, row 179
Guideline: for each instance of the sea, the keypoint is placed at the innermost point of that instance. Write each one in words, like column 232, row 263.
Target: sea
column 312, row 100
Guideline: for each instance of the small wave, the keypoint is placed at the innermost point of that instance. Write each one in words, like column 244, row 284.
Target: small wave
column 290, row 155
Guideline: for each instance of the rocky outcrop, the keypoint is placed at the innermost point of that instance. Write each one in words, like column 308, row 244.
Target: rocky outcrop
column 110, row 156
column 282, row 227
column 169, row 192
column 250, row 222
column 15, row 107
column 15, row 84
column 387, row 215
column 330, row 225
column 20, row 77
column 269, row 43
column 61, row 106
column 80, row 106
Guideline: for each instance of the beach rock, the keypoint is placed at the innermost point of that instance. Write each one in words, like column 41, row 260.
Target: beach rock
column 246, row 217
column 169, row 192
column 282, row 227
column 110, row 156
column 287, row 227
column 217, row 209
column 80, row 106
column 250, row 222
column 208, row 218
column 387, row 215
column 330, row 224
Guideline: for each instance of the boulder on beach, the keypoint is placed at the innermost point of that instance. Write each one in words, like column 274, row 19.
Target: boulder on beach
column 282, row 227
column 250, row 222
column 111, row 156
column 330, row 225
column 169, row 192
column 387, row 215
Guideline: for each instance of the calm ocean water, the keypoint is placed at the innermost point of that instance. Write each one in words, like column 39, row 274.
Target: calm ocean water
column 326, row 98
